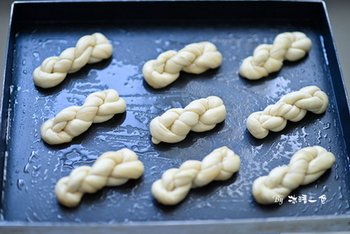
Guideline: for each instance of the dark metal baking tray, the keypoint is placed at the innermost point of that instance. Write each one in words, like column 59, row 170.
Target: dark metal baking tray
column 139, row 31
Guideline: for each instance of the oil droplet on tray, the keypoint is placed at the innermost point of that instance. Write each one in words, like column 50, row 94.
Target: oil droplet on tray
column 20, row 184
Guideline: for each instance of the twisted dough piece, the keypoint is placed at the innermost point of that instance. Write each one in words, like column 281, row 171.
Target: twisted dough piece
column 74, row 120
column 266, row 59
column 176, row 183
column 292, row 106
column 305, row 166
column 89, row 49
column 195, row 58
column 112, row 168
column 199, row 116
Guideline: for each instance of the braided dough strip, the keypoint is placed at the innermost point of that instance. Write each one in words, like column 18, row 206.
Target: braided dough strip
column 199, row 116
column 175, row 183
column 112, row 168
column 89, row 49
column 292, row 106
column 267, row 59
column 74, row 120
column 195, row 58
column 306, row 166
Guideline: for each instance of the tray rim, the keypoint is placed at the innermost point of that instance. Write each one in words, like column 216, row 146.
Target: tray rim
column 255, row 225
column 290, row 224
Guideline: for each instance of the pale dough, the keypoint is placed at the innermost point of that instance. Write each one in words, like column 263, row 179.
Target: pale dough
column 292, row 106
column 112, row 168
column 199, row 116
column 175, row 183
column 195, row 58
column 89, row 49
column 267, row 58
column 74, row 120
column 305, row 166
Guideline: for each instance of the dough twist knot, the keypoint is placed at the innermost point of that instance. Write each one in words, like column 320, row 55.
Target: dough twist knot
column 74, row 120
column 112, row 168
column 199, row 116
column 175, row 183
column 306, row 166
column 267, row 59
column 89, row 49
column 292, row 106
column 194, row 58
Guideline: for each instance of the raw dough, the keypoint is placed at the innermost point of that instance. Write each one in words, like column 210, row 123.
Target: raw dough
column 73, row 121
column 112, row 168
column 89, row 49
column 292, row 106
column 266, row 59
column 305, row 166
column 199, row 116
column 175, row 183
column 195, row 58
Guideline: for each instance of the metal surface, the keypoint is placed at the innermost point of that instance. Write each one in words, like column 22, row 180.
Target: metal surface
column 139, row 31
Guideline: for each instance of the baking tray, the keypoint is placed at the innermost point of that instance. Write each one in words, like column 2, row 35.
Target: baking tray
column 140, row 31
